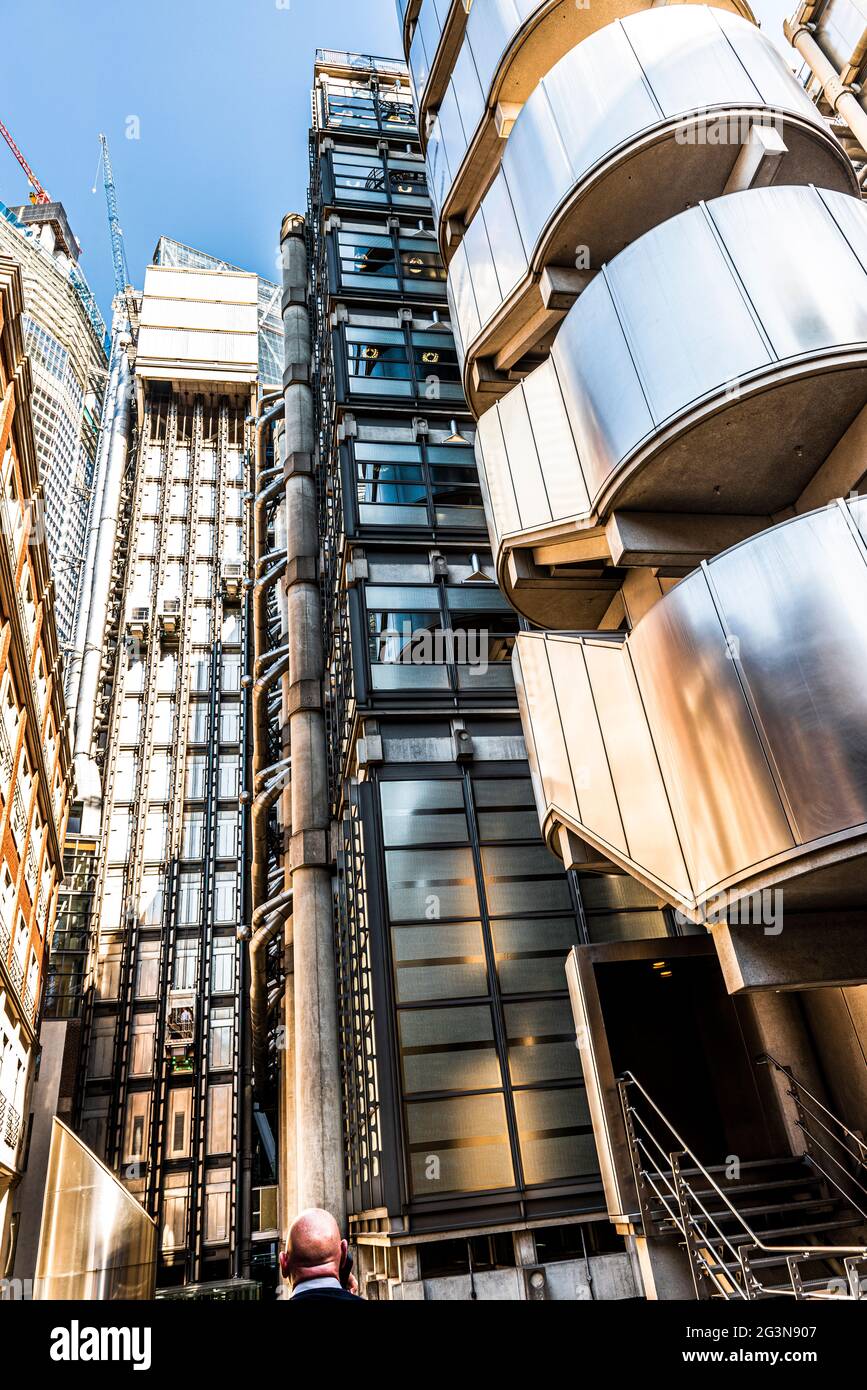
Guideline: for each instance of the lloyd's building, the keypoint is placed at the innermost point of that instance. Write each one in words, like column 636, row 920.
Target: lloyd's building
column 657, row 271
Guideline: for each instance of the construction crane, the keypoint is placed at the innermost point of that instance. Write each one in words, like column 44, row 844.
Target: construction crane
column 37, row 192
column 118, row 250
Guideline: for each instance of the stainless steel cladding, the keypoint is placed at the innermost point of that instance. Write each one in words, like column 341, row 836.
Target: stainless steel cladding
column 508, row 47
column 594, row 161
column 702, row 372
column 720, row 748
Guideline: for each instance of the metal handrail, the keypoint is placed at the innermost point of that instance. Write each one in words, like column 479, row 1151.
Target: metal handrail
column 766, row 1058
column 628, row 1078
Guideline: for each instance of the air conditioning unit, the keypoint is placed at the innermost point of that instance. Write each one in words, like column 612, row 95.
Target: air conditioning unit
column 138, row 623
column 232, row 579
column 170, row 618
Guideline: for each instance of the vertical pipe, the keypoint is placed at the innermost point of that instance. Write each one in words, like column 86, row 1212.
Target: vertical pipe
column 319, row 1165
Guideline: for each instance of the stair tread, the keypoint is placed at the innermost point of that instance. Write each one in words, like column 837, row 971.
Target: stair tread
column 771, row 1210
column 816, row 1228
column 768, row 1186
column 786, row 1161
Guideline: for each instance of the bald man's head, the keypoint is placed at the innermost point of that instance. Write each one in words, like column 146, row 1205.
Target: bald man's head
column 314, row 1248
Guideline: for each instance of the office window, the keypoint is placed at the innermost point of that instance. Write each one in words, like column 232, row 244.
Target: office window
column 118, row 836
column 130, row 712
column 192, row 834
column 178, row 1131
column 231, row 629
column 217, row 1205
column 230, row 672
column 168, row 673
column 108, row 970
column 200, row 623
column 197, row 721
column 227, row 834
column 189, row 897
column 229, row 776
column 176, row 1203
column 147, row 974
column 186, row 963
column 378, row 361
column 196, row 776
column 158, row 776
column 200, row 673
column 101, row 1047
column 136, row 1135
column 223, row 965
column 142, row 1044
column 222, row 1038
column 156, row 830
column 230, row 722
column 368, row 257
column 150, row 899
column 164, row 722
column 225, row 895
column 124, row 777
column 219, row 1124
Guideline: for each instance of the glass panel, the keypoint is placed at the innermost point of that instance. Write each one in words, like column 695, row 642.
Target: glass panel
column 439, row 961
column 423, row 812
column 448, row 1049
column 525, row 878
column 458, row 1145
column 531, row 954
column 431, row 884
column 541, row 1037
column 555, row 1135
column 506, row 809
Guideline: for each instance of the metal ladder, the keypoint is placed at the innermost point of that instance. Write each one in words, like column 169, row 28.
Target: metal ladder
column 754, row 1229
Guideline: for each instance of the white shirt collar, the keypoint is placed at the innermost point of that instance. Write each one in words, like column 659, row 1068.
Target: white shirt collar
column 325, row 1281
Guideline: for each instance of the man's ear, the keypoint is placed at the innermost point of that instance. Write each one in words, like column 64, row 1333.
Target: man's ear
column 284, row 1264
column 344, row 1251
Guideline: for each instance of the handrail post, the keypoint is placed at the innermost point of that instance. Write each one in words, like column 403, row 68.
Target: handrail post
column 693, row 1254
column 648, row 1225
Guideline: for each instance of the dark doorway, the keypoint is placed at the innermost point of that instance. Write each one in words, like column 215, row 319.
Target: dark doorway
column 670, row 1021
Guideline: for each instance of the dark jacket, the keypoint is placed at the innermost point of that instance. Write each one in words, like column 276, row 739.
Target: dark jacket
column 320, row 1295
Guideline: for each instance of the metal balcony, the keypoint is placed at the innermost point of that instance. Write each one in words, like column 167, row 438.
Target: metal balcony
column 720, row 749
column 694, row 391
column 620, row 136
column 508, row 47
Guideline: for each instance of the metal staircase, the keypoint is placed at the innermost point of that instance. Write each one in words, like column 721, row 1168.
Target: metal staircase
column 768, row 1228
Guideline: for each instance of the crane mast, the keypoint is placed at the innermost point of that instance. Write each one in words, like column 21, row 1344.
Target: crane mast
column 118, row 250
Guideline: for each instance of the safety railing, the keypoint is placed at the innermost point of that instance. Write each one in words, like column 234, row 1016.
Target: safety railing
column 675, row 1196
column 833, row 1149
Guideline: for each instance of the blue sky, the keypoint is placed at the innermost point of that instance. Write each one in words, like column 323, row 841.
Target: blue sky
column 220, row 89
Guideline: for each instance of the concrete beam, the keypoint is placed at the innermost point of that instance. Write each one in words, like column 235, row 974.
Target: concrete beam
column 809, row 951
column 758, row 160
column 681, row 539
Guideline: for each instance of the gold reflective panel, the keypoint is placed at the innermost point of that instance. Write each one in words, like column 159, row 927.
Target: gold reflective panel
column 96, row 1242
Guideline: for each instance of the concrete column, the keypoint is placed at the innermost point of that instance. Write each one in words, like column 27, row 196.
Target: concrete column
column 318, row 1130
